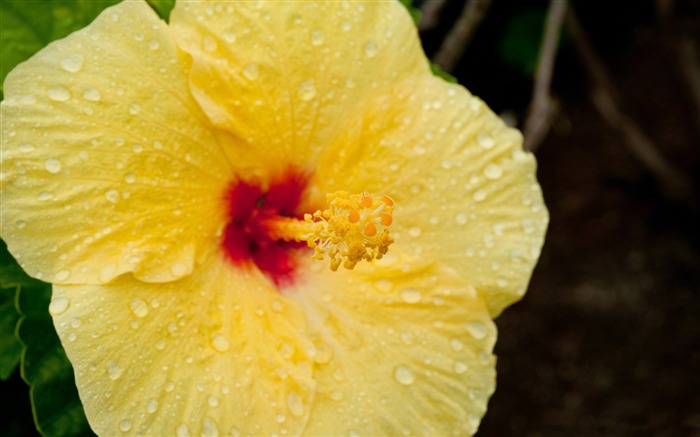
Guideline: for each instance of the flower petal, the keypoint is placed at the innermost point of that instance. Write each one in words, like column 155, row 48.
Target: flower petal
column 108, row 163
column 406, row 348
column 220, row 351
column 465, row 191
column 287, row 78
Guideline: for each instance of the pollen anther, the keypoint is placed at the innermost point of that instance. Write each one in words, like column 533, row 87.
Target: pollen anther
column 353, row 228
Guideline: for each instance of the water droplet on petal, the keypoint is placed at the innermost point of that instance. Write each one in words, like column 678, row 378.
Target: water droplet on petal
column 209, row 428
column 59, row 305
column 62, row 275
column 20, row 224
column 152, row 406
column 370, row 49
column 134, row 108
column 92, row 94
column 477, row 330
column 72, row 63
column 410, row 295
column 153, row 44
column 461, row 218
column 456, row 344
column 213, row 401
column 26, row 148
column 125, row 425
column 317, row 37
column 114, row 370
column 139, row 307
column 414, row 231
column 251, row 72
column 44, row 196
column 485, row 140
column 129, row 178
column 384, row 285
column 345, row 25
column 404, row 375
column 178, row 269
column 306, row 90
column 479, row 195
column 209, row 44
column 229, row 37
column 493, row 172
column 295, row 404
column 52, row 165
column 182, row 431
column 58, row 93
column 112, row 195
column 459, row 367
column 220, row 343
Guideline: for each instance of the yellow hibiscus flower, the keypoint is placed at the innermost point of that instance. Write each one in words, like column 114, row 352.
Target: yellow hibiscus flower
column 158, row 176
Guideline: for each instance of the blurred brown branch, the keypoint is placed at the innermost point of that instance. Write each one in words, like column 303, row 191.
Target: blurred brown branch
column 538, row 120
column 430, row 14
column 460, row 35
column 606, row 99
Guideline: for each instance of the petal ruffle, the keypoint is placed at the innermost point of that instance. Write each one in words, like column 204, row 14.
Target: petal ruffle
column 108, row 162
column 466, row 192
column 217, row 352
column 407, row 350
column 284, row 79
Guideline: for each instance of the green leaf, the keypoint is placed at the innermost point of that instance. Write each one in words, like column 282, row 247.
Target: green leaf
column 10, row 347
column 162, row 7
column 415, row 12
column 437, row 71
column 56, row 406
column 27, row 26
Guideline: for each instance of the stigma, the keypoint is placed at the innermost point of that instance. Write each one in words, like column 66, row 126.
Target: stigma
column 354, row 227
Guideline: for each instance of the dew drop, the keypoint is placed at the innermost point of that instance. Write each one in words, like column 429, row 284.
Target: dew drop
column 410, row 295
column 59, row 305
column 72, row 336
column 306, row 90
column 251, row 72
column 178, row 269
column 485, row 140
column 129, row 178
column 384, row 285
column 502, row 282
column 112, row 195
column 152, row 405
column 160, row 345
column 72, row 63
column 92, row 94
column 229, row 37
column 459, row 367
column 209, row 44
column 345, row 25
column 295, row 404
column 456, row 344
column 62, row 275
column 414, row 231
column 134, row 108
column 20, row 224
column 153, row 44
column 461, row 218
column 125, row 425
column 479, row 195
column 114, row 370
column 29, row 99
column 182, row 431
column 370, row 49
column 220, row 343
column 26, row 148
column 404, row 375
column 317, row 37
column 209, row 428
column 493, row 172
column 138, row 37
column 213, row 401
column 58, row 93
column 44, row 196
column 477, row 330
column 139, row 307
column 52, row 165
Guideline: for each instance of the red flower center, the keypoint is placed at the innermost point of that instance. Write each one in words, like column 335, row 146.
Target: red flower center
column 247, row 238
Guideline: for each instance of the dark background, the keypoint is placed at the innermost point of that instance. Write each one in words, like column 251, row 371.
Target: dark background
column 607, row 339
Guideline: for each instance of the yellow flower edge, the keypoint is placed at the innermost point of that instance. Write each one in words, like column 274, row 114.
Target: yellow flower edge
column 118, row 143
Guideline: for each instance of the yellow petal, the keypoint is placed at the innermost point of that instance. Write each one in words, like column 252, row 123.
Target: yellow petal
column 108, row 164
column 406, row 349
column 465, row 191
column 287, row 78
column 219, row 352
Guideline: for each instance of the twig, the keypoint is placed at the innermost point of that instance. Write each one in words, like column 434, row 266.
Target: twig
column 538, row 120
column 457, row 40
column 690, row 66
column 606, row 100
column 430, row 14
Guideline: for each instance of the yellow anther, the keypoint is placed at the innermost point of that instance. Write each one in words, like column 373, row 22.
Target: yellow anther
column 353, row 228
